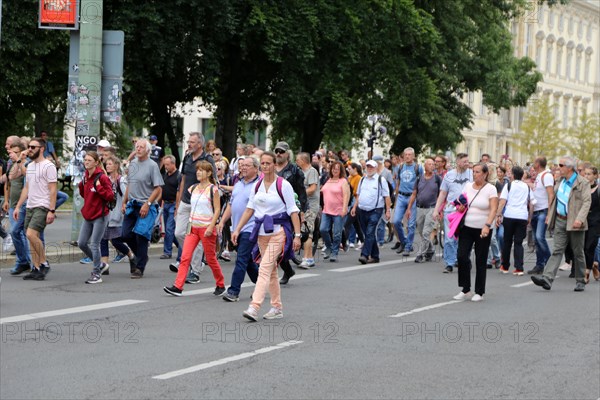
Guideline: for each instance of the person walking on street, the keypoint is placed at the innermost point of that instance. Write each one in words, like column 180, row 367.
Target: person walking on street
column 171, row 178
column 96, row 190
column 242, row 190
column 452, row 187
column 40, row 193
column 205, row 211
column 482, row 206
column 425, row 194
column 517, row 198
column 372, row 200
column 592, row 235
column 311, row 184
column 139, row 205
column 276, row 220
column 567, row 215
column 336, row 195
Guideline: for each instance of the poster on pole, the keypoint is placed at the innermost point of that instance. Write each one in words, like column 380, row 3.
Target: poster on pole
column 59, row 14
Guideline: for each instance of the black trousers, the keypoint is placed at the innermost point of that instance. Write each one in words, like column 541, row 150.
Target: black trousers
column 515, row 231
column 466, row 239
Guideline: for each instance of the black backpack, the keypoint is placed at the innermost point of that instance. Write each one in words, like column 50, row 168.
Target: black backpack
column 116, row 188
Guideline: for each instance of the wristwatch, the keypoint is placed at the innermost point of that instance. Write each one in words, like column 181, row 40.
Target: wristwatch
column 149, row 203
column 52, row 211
column 297, row 235
column 489, row 225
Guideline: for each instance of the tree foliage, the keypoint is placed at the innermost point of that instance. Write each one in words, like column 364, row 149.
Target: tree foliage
column 584, row 138
column 540, row 132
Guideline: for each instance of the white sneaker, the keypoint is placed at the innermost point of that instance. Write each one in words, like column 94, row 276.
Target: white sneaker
column 477, row 298
column 351, row 245
column 251, row 313
column 462, row 296
column 274, row 313
column 324, row 249
column 359, row 246
column 565, row 267
column 303, row 264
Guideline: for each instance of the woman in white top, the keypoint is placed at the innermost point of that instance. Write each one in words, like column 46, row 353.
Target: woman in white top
column 517, row 198
column 482, row 198
column 274, row 208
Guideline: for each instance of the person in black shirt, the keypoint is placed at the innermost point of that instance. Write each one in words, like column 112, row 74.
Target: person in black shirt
column 171, row 177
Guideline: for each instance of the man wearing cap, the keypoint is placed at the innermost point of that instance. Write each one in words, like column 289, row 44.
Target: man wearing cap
column 294, row 175
column 157, row 153
column 373, row 200
column 407, row 176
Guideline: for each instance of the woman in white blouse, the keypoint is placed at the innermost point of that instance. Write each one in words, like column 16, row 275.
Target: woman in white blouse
column 276, row 221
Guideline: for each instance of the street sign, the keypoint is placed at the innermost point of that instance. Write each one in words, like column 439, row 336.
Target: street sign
column 113, row 48
column 59, row 14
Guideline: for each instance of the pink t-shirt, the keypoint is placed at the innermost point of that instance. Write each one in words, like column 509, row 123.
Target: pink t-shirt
column 333, row 196
column 480, row 207
column 39, row 175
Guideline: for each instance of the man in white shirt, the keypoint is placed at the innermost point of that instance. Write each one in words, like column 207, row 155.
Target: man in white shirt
column 543, row 193
column 373, row 197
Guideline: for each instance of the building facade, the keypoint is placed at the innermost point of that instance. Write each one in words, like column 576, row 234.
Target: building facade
column 564, row 42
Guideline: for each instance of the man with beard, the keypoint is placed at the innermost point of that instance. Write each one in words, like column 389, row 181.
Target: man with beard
column 294, row 175
column 41, row 205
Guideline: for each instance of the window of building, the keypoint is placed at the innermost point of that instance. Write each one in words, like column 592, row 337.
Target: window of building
column 580, row 29
column 551, row 19
column 255, row 132
column 577, row 66
column 555, row 109
column 575, row 113
column 559, row 54
column 561, row 22
column 588, row 35
column 482, row 110
column 586, row 73
column 571, row 23
column 209, row 127
column 538, row 55
column 527, row 39
column 565, row 121
column 470, row 99
column 549, row 57
column 568, row 70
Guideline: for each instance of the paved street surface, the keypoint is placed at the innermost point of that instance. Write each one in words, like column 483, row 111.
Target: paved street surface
column 350, row 331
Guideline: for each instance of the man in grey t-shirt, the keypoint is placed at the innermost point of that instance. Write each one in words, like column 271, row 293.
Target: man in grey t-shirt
column 452, row 187
column 311, row 184
column 139, row 205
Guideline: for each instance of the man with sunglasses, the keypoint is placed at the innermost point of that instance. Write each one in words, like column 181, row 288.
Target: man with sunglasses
column 40, row 193
column 567, row 215
column 294, row 175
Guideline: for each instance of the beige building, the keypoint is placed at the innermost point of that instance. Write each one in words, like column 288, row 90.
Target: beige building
column 564, row 41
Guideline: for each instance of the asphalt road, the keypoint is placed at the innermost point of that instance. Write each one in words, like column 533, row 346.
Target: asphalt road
column 387, row 331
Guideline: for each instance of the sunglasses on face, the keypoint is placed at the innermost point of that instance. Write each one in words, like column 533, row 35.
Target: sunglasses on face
column 279, row 151
column 34, row 147
column 561, row 165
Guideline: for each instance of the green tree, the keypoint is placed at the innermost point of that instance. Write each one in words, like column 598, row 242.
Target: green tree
column 540, row 132
column 584, row 138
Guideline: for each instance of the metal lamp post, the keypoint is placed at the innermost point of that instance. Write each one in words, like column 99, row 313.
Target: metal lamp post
column 381, row 130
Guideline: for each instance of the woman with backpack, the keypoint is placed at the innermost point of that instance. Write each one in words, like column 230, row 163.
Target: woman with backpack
column 114, row 229
column 205, row 211
column 336, row 195
column 96, row 190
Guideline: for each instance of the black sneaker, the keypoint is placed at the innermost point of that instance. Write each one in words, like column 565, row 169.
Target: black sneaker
column 448, row 269
column 400, row 249
column 397, row 246
column 34, row 275
column 18, row 270
column 429, row 256
column 535, row 271
column 173, row 291
column 45, row 268
column 420, row 259
column 137, row 274
column 104, row 269
column 133, row 262
column 192, row 279
column 286, row 278
column 231, row 297
column 406, row 252
column 219, row 291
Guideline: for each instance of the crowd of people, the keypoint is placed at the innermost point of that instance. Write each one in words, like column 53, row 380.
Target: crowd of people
column 269, row 209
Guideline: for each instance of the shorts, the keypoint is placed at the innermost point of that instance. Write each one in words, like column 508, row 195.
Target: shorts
column 35, row 218
column 309, row 219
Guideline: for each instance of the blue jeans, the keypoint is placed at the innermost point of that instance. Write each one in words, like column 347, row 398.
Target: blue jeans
column 597, row 252
column 381, row 225
column 118, row 244
column 338, row 224
column 19, row 239
column 401, row 206
column 92, row 232
column 61, row 197
column 450, row 244
column 494, row 252
column 169, row 216
column 542, row 250
column 243, row 264
column 368, row 223
column 137, row 243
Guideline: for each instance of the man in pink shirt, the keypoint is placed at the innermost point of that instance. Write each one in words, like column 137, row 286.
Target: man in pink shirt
column 40, row 193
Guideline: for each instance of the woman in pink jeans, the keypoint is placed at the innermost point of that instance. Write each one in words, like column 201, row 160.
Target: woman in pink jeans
column 206, row 206
column 275, row 222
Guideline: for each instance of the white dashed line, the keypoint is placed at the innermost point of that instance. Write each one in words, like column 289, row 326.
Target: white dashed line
column 225, row 360
column 66, row 311
column 431, row 307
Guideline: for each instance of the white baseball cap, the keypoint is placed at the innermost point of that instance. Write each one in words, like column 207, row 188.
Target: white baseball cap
column 103, row 143
column 372, row 163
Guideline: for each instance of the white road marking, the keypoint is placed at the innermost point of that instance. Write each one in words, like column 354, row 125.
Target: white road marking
column 367, row 266
column 225, row 360
column 247, row 284
column 522, row 284
column 66, row 311
column 431, row 307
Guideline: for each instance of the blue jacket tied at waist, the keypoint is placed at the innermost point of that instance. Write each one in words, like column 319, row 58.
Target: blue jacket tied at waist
column 268, row 221
column 143, row 226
